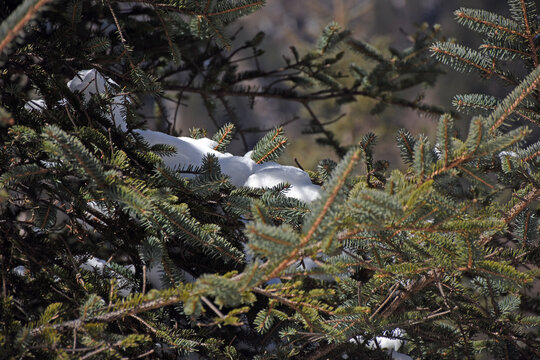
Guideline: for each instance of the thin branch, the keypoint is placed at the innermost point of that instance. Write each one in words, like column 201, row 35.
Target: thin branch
column 312, row 97
column 213, row 307
column 111, row 316
column 21, row 23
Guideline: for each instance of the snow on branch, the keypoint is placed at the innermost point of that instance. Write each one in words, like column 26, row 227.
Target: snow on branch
column 242, row 170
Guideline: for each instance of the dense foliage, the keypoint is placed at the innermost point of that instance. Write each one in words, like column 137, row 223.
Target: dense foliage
column 441, row 256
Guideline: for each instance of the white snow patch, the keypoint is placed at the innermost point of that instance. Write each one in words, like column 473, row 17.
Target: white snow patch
column 508, row 153
column 35, row 105
column 93, row 264
column 90, row 82
column 19, row 270
column 391, row 344
column 242, row 170
column 271, row 174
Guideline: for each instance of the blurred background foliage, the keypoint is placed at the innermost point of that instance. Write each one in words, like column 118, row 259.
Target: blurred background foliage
column 382, row 23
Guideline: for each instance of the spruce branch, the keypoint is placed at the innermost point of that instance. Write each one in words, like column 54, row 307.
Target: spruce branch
column 206, row 12
column 479, row 20
column 465, row 59
column 313, row 97
column 348, row 164
column 514, row 99
column 169, row 298
column 522, row 205
column 498, row 49
column 16, row 21
column 528, row 31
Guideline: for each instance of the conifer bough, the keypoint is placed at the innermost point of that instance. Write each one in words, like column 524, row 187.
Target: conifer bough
column 215, row 256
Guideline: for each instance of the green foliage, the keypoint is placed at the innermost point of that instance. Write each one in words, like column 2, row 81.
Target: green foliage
column 223, row 137
column 442, row 254
column 12, row 27
column 269, row 147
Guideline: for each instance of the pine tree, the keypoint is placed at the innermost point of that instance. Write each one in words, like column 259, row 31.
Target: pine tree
column 107, row 251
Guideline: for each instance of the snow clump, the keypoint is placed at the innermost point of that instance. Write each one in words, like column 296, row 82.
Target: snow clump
column 242, row 170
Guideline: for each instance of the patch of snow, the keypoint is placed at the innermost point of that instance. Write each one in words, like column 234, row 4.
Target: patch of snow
column 154, row 274
column 385, row 343
column 101, row 267
column 400, row 356
column 90, row 82
column 242, row 170
column 19, row 270
column 437, row 151
column 391, row 344
column 508, row 153
column 35, row 105
column 271, row 174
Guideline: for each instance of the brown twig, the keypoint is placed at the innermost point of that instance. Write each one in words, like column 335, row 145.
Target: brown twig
column 21, row 23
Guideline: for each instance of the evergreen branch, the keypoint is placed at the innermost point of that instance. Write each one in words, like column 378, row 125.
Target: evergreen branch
column 482, row 101
column 519, row 207
column 170, row 41
column 236, row 9
column 22, row 172
column 212, row 243
column 253, row 230
column 514, row 99
column 16, row 21
column 486, row 102
column 223, row 137
column 117, row 314
column 207, row 6
column 530, row 37
column 354, row 158
column 444, row 137
column 477, row 178
column 205, row 13
column 121, row 34
column 497, row 268
column 313, row 97
column 469, row 58
column 332, row 195
column 411, row 290
column 278, row 146
column 531, row 156
column 479, row 17
column 76, row 154
column 48, row 216
column 269, row 147
column 289, row 303
column 504, row 48
column 439, row 50
column 406, row 143
column 367, row 50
